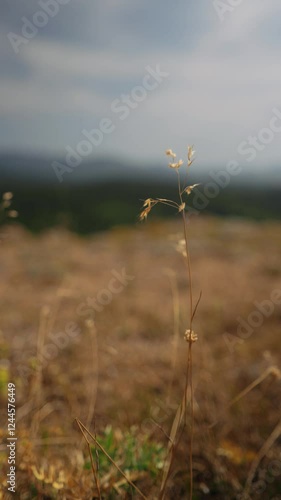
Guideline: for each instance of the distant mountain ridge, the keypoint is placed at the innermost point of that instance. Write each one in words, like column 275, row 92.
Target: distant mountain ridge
column 99, row 194
column 30, row 169
column 37, row 169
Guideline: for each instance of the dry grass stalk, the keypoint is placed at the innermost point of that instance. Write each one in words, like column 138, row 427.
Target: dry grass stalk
column 181, row 414
column 271, row 370
column 95, row 472
column 263, row 451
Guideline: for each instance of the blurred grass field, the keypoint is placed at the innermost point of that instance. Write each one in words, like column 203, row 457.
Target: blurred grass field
column 116, row 374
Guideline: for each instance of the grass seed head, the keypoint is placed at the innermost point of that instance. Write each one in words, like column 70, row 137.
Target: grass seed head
column 169, row 152
column 176, row 165
column 7, row 196
column 190, row 337
column 190, row 154
column 181, row 247
column 148, row 204
column 189, row 189
column 143, row 215
column 13, row 214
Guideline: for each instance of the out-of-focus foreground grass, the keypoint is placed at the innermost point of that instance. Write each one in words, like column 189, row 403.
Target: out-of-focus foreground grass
column 87, row 331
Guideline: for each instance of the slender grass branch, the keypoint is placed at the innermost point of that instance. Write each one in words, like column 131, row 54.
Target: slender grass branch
column 180, row 420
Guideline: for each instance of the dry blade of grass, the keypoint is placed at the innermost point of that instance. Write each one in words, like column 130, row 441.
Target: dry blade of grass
column 171, row 445
column 84, row 430
column 263, row 451
column 271, row 370
column 95, row 473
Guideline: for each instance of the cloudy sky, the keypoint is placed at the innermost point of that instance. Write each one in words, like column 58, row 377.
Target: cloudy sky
column 220, row 67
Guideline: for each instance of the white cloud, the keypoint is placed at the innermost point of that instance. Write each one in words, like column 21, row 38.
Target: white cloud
column 241, row 26
column 36, row 97
column 218, row 92
column 69, row 61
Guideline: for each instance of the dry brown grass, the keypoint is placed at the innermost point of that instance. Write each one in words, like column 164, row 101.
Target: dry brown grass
column 235, row 263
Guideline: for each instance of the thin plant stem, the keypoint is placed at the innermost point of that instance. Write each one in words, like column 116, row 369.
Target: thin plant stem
column 180, row 419
column 189, row 380
column 189, row 360
column 176, row 314
column 81, row 427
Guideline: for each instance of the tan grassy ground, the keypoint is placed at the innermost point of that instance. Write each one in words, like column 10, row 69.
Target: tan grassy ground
column 119, row 374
